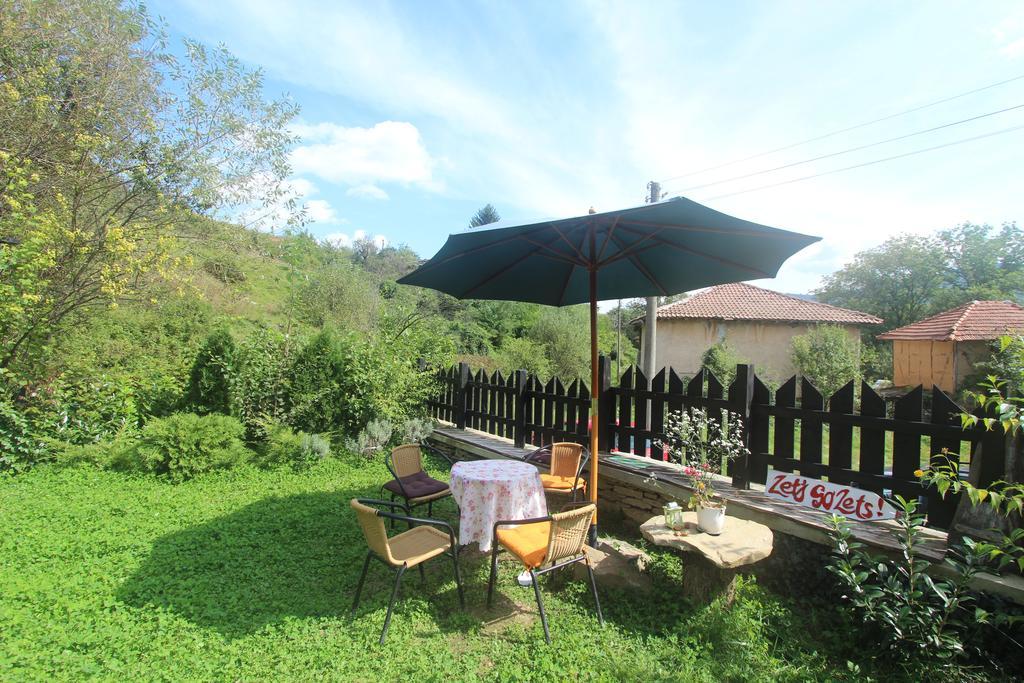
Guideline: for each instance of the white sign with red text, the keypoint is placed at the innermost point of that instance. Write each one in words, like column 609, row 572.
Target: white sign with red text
column 820, row 495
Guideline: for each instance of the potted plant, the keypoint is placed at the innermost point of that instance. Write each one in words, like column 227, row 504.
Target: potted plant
column 703, row 445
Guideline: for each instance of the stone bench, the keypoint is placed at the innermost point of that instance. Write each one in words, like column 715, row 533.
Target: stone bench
column 713, row 562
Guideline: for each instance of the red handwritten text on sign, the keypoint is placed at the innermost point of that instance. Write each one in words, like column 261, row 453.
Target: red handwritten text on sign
column 828, row 497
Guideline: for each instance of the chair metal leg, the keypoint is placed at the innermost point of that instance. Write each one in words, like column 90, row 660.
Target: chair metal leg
column 391, row 605
column 494, row 571
column 362, row 578
column 458, row 577
column 430, row 509
column 540, row 606
column 593, row 589
column 423, row 575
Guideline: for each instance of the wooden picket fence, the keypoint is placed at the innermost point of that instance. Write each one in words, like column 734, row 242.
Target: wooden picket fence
column 854, row 437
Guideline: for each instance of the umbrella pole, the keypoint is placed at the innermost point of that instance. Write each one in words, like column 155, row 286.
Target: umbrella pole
column 594, row 393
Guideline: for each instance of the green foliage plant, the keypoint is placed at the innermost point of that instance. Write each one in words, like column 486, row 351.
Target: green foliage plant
column 827, row 356
column 261, row 383
column 721, row 359
column 209, row 383
column 184, row 445
column 910, row 613
column 417, row 430
column 19, row 447
column 373, row 438
column 298, row 449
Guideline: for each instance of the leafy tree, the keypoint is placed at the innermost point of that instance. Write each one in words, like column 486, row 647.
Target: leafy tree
column 485, row 216
column 520, row 353
column 209, row 384
column 721, row 359
column 982, row 262
column 910, row 277
column 565, row 335
column 896, row 281
column 827, row 356
column 115, row 141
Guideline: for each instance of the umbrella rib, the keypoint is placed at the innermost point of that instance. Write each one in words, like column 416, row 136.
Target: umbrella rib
column 695, row 252
column 565, row 286
column 571, row 245
column 774, row 233
column 632, row 248
column 431, row 264
column 494, row 276
column 554, row 252
column 607, row 239
column 643, row 269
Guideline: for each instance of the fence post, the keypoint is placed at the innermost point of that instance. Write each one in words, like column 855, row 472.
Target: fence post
column 460, row 396
column 605, row 404
column 519, row 421
column 741, row 396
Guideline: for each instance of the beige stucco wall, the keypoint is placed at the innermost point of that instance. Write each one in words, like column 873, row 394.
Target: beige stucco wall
column 768, row 345
column 969, row 353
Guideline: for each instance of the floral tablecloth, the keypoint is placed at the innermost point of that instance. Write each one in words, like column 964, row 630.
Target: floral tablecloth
column 489, row 491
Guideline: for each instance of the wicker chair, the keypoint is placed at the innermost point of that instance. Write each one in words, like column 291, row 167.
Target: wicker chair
column 403, row 551
column 411, row 483
column 544, row 544
column 565, row 461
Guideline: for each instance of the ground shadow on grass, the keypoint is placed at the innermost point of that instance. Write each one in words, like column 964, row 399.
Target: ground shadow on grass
column 297, row 556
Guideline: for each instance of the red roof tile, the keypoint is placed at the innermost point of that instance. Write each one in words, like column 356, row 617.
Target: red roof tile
column 740, row 301
column 973, row 321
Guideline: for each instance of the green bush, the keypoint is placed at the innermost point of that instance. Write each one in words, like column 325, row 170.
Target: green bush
column 285, row 446
column 79, row 410
column 722, row 360
column 520, row 353
column 209, row 384
column 19, row 447
column 912, row 615
column 827, row 356
column 339, row 383
column 184, row 445
column 260, row 386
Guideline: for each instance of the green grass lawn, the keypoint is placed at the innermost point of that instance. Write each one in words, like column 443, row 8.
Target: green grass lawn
column 248, row 575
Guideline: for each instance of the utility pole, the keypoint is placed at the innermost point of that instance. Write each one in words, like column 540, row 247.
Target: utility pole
column 651, row 319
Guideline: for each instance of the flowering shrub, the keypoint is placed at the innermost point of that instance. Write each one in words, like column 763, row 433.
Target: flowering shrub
column 703, row 444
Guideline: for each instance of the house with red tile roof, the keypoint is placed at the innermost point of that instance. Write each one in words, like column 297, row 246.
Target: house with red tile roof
column 757, row 323
column 942, row 350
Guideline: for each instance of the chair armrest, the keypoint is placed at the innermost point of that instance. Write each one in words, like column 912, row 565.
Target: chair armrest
column 375, row 502
column 421, row 520
column 529, row 457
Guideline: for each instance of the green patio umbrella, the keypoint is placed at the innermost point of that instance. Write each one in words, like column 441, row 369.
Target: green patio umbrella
column 651, row 250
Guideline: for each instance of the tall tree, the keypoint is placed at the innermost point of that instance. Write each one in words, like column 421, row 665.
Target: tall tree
column 488, row 214
column 896, row 281
column 108, row 142
column 910, row 277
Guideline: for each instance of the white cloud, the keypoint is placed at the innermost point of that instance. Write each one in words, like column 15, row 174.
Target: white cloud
column 366, row 191
column 1009, row 36
column 321, row 211
column 390, row 151
column 344, row 239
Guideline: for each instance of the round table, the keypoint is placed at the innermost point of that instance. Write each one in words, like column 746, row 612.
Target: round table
column 489, row 491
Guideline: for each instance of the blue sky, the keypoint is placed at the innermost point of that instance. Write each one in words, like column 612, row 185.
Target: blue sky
column 415, row 114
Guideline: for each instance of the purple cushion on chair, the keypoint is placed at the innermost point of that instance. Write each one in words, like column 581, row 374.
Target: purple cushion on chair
column 416, row 486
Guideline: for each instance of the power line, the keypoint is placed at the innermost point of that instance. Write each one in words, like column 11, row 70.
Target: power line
column 851, row 149
column 846, row 130
column 868, row 163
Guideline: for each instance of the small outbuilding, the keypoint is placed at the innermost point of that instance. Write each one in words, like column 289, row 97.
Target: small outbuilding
column 942, row 350
column 757, row 323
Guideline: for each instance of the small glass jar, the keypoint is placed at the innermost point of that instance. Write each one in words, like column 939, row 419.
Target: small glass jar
column 674, row 516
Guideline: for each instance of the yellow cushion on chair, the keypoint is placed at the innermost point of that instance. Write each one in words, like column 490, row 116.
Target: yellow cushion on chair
column 528, row 542
column 551, row 482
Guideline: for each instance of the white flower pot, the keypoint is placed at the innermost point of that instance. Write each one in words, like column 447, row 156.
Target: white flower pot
column 711, row 520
